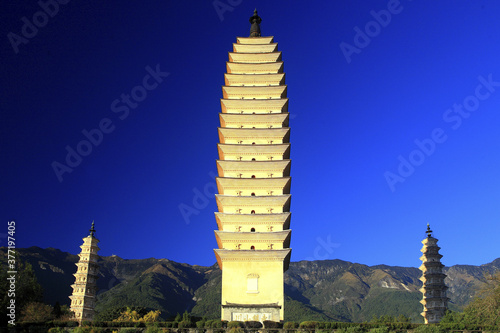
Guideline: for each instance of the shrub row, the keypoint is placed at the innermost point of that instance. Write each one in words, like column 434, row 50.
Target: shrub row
column 234, row 326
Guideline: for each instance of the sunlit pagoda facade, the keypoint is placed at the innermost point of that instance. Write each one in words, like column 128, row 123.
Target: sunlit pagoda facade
column 253, row 182
column 83, row 298
column 434, row 288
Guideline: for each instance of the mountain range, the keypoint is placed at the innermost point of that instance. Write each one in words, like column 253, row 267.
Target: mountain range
column 323, row 290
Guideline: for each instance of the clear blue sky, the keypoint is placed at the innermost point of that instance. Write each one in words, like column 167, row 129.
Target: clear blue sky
column 363, row 105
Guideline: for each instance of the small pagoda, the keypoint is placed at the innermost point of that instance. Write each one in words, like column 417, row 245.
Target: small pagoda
column 434, row 288
column 83, row 298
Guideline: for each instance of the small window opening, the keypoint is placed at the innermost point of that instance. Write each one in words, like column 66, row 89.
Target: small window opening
column 252, row 212
column 252, row 230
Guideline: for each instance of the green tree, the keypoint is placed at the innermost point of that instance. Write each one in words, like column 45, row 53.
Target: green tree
column 403, row 319
column 151, row 316
column 452, row 317
column 485, row 309
column 114, row 313
column 27, row 288
column 57, row 310
column 37, row 312
column 429, row 329
column 129, row 315
column 185, row 316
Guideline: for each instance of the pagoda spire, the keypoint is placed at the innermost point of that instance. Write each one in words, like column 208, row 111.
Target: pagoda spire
column 92, row 230
column 255, row 21
column 429, row 231
column 433, row 288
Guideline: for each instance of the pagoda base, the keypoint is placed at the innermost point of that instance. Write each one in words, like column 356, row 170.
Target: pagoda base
column 251, row 312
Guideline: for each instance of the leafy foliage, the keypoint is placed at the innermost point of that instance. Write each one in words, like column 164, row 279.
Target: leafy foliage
column 253, row 324
column 37, row 312
column 130, row 315
column 114, row 313
column 151, row 316
column 430, row 329
column 272, row 324
column 290, row 325
column 27, row 288
column 236, row 330
column 484, row 309
column 232, row 324
column 384, row 319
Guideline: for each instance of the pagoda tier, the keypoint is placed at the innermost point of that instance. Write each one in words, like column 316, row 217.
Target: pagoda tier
column 254, row 106
column 83, row 298
column 230, row 152
column 253, row 240
column 269, row 92
column 255, row 48
column 255, row 40
column 254, row 80
column 254, row 169
column 433, row 288
column 260, row 68
column 253, row 199
column 247, row 222
column 253, row 205
column 254, row 58
column 254, row 120
column 252, row 136
column 281, row 257
column 253, row 187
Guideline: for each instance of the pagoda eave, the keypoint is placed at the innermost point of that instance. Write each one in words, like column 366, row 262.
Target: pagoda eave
column 278, row 185
column 281, row 166
column 237, row 152
column 252, row 68
column 255, row 40
column 224, row 255
column 250, row 106
column 250, row 119
column 254, row 57
column 254, row 92
column 231, row 220
column 275, row 236
column 230, row 200
column 255, row 48
column 254, row 80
